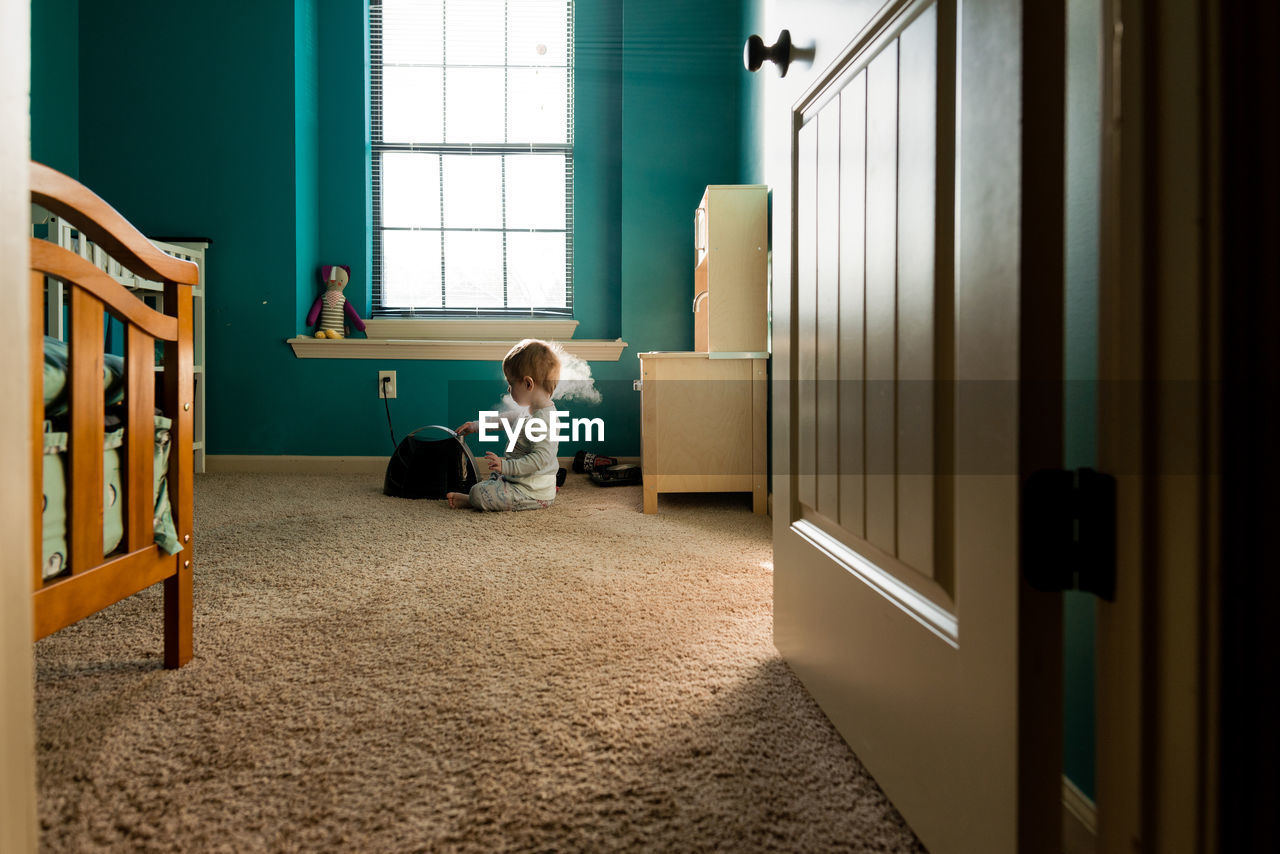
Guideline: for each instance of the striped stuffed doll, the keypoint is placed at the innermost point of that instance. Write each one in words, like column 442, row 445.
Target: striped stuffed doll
column 331, row 308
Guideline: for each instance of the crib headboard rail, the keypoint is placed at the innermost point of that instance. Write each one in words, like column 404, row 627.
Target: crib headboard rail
column 67, row 266
column 103, row 224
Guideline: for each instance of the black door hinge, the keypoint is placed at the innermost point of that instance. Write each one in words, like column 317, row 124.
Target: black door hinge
column 1069, row 531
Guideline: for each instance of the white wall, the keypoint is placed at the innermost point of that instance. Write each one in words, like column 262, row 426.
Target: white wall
column 17, row 723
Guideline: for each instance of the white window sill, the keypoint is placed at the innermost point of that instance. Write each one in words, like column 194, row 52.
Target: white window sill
column 471, row 328
column 483, row 339
column 591, row 350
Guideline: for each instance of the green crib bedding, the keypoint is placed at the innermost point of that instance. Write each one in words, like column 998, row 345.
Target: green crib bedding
column 55, row 496
column 56, row 466
column 57, row 360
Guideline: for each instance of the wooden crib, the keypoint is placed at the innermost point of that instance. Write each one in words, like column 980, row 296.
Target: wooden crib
column 96, row 581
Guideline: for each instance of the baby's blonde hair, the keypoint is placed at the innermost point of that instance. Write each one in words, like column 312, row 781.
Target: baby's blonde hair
column 534, row 359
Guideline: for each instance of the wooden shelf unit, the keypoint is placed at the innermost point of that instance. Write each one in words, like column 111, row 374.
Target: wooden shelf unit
column 730, row 290
column 704, row 415
column 703, row 425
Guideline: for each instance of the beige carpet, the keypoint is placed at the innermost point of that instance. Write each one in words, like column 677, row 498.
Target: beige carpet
column 375, row 674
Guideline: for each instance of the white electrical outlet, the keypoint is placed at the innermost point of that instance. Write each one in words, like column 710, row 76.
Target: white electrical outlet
column 386, row 383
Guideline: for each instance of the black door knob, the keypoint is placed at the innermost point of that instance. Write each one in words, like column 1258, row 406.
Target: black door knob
column 779, row 53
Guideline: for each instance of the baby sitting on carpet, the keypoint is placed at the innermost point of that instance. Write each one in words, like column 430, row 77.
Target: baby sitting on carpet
column 526, row 478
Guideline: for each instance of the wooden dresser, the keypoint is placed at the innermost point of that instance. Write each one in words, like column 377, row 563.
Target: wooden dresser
column 704, row 426
column 704, row 414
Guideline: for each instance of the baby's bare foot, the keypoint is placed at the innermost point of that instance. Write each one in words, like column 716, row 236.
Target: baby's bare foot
column 458, row 500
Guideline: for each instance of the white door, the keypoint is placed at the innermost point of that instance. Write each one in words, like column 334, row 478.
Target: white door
column 916, row 167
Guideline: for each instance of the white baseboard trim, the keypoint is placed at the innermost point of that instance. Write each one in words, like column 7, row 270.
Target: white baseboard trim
column 1079, row 821
column 281, row 464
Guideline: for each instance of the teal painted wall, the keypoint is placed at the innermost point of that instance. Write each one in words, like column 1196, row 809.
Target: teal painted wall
column 1084, row 22
column 306, row 152
column 681, row 130
column 344, row 208
column 752, row 95
column 251, row 156
column 266, row 151
column 210, row 151
column 597, row 164
column 55, row 84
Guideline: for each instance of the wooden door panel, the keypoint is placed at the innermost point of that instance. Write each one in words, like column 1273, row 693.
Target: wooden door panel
column 897, row 595
column 866, row 279
column 828, row 258
column 918, row 189
column 805, row 452
column 852, row 297
column 881, row 295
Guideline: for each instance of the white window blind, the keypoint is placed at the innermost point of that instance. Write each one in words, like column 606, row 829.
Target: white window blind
column 472, row 112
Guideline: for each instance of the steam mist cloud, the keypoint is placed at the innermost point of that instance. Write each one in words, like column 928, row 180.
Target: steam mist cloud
column 575, row 378
column 576, row 383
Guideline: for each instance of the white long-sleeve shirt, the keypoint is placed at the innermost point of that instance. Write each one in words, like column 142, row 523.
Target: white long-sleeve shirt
column 533, row 465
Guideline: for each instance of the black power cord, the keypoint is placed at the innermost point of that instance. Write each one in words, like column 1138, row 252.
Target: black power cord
column 385, row 399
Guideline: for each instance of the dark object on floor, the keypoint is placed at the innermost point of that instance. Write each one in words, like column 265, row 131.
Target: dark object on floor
column 430, row 468
column 560, row 476
column 624, row 474
column 589, row 462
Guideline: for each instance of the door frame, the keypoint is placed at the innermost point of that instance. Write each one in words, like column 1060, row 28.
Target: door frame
column 18, row 826
column 1249, row 692
column 1160, row 428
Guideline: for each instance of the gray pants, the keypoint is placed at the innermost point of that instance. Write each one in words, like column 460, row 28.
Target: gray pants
column 498, row 493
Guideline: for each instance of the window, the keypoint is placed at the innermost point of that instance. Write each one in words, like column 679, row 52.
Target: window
column 472, row 157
